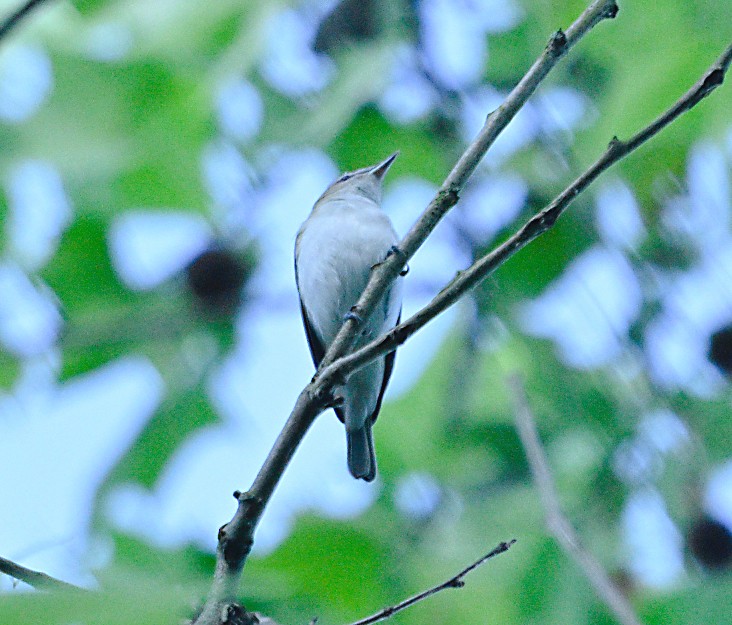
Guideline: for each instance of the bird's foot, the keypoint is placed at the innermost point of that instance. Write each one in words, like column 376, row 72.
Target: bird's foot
column 395, row 251
column 354, row 315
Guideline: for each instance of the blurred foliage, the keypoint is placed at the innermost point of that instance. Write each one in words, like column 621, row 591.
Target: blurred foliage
column 129, row 131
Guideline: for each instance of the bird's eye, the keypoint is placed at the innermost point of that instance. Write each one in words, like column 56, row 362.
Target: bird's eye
column 344, row 177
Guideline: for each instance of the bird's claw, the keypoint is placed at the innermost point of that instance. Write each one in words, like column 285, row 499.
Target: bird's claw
column 353, row 315
column 395, row 251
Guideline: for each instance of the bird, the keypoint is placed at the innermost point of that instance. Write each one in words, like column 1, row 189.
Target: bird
column 345, row 235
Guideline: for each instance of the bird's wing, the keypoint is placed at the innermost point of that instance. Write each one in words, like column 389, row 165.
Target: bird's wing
column 388, row 368
column 317, row 350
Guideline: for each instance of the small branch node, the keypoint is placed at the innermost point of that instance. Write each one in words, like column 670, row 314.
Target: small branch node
column 324, row 395
column 248, row 498
column 450, row 196
column 402, row 334
column 612, row 11
column 335, row 402
column 235, row 614
column 235, row 551
column 614, row 144
column 712, row 80
column 558, row 43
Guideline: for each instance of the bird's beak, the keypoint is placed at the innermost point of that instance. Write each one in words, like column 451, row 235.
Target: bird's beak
column 380, row 170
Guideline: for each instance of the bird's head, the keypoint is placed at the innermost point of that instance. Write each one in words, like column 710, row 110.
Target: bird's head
column 365, row 181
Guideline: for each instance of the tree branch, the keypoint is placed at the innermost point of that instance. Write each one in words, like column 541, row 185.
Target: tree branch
column 556, row 521
column 39, row 581
column 454, row 582
column 15, row 18
column 448, row 194
column 466, row 280
column 236, row 537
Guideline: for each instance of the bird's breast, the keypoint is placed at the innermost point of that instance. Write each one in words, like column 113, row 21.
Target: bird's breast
column 336, row 250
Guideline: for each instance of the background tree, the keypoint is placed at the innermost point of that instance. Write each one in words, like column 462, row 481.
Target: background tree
column 157, row 161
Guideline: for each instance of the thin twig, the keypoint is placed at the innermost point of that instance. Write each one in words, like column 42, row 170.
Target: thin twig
column 556, row 521
column 16, row 17
column 454, row 582
column 39, row 581
column 540, row 223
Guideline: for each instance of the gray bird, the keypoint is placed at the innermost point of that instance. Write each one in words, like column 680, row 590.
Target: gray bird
column 344, row 236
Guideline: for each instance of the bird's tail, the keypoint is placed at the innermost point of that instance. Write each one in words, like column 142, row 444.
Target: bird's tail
column 361, row 457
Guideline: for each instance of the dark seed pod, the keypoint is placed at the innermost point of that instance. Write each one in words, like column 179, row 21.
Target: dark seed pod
column 711, row 543
column 720, row 349
column 216, row 278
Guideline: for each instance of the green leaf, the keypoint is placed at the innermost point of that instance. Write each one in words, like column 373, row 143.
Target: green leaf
column 94, row 302
column 703, row 598
column 139, row 140
column 9, row 369
column 324, row 568
column 529, row 272
column 420, row 153
column 81, row 273
column 185, row 565
column 88, row 7
column 142, row 601
column 361, row 77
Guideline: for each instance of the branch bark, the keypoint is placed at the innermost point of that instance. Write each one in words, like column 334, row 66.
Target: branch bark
column 17, row 16
column 236, row 537
column 556, row 521
column 39, row 581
